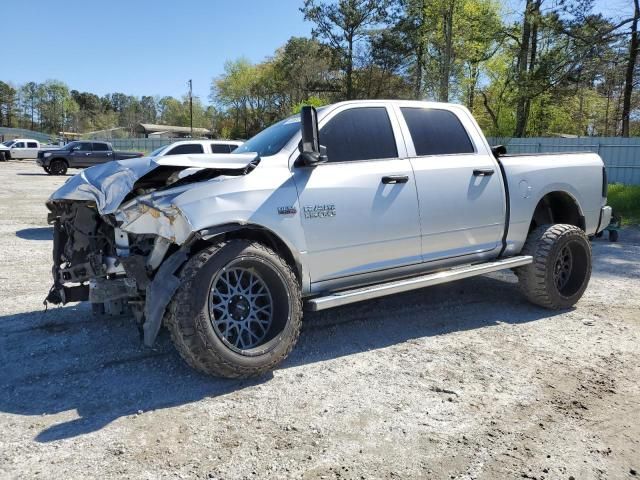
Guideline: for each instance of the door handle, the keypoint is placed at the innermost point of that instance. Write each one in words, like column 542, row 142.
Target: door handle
column 87, row 154
column 393, row 179
column 483, row 172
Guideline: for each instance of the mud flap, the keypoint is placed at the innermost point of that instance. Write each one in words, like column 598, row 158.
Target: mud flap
column 159, row 293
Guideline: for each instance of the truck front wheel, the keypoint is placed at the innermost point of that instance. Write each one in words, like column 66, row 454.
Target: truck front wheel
column 238, row 310
column 57, row 167
column 561, row 266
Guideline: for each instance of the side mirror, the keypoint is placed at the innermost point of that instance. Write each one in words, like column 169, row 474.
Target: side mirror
column 499, row 150
column 311, row 152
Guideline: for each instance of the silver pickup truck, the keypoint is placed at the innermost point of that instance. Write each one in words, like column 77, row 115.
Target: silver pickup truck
column 353, row 201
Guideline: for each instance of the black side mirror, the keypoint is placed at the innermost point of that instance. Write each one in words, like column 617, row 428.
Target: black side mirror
column 311, row 152
column 499, row 150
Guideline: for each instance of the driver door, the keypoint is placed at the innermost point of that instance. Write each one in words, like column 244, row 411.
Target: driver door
column 18, row 150
column 359, row 209
column 81, row 155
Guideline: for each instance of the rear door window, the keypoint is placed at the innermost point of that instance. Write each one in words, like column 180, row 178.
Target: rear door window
column 436, row 132
column 100, row 147
column 220, row 148
column 359, row 134
column 32, row 145
column 186, row 148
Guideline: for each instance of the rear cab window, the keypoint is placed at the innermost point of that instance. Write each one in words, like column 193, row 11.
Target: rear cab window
column 436, row 132
column 361, row 133
column 187, row 148
column 100, row 147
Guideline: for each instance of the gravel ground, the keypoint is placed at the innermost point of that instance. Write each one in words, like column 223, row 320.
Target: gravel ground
column 465, row 380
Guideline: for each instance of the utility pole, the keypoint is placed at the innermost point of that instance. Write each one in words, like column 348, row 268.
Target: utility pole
column 191, row 105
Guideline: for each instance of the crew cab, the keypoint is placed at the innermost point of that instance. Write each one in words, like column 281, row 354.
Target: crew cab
column 349, row 202
column 80, row 154
column 194, row 147
column 20, row 148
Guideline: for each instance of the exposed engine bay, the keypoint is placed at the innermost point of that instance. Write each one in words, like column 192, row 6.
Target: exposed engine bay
column 96, row 259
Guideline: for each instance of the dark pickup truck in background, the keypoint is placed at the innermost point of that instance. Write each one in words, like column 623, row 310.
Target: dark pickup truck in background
column 80, row 154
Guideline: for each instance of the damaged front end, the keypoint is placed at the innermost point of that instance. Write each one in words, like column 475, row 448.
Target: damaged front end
column 86, row 257
column 118, row 240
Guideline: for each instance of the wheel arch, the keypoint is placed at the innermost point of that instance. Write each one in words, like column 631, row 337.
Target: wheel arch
column 260, row 234
column 558, row 206
column 56, row 159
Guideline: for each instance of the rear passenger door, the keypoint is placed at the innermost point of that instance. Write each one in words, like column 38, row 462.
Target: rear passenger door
column 101, row 153
column 460, row 191
column 359, row 210
column 32, row 150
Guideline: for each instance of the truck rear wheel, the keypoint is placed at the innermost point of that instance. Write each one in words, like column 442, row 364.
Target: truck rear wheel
column 561, row 266
column 238, row 310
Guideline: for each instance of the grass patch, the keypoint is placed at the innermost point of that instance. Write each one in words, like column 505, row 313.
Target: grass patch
column 625, row 200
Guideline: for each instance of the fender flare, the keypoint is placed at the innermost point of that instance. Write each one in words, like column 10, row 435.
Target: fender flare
column 161, row 289
column 212, row 232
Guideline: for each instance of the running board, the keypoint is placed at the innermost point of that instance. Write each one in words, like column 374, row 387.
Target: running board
column 413, row 283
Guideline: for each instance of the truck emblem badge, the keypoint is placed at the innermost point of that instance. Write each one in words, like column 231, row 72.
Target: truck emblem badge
column 319, row 211
column 290, row 210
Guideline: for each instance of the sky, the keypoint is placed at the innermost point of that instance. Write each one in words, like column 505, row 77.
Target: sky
column 140, row 47
column 143, row 47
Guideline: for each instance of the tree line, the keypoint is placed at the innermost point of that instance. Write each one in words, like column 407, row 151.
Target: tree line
column 52, row 107
column 555, row 67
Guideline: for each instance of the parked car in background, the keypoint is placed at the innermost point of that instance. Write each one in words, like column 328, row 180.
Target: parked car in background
column 80, row 154
column 196, row 147
column 5, row 153
column 20, row 148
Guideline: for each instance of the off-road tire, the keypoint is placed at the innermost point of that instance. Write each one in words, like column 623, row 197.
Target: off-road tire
column 538, row 280
column 2, row 157
column 58, row 167
column 613, row 235
column 188, row 320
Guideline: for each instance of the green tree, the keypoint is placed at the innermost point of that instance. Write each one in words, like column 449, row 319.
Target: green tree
column 343, row 25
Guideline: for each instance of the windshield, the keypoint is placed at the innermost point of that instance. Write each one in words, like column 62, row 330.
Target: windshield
column 270, row 141
column 157, row 151
column 8, row 143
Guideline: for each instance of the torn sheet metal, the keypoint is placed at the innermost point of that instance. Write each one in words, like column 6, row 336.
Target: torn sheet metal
column 144, row 217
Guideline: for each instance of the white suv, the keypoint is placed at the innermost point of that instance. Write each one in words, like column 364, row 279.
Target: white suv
column 196, row 147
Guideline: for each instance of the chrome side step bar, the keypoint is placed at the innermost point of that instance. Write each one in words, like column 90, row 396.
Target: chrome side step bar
column 413, row 283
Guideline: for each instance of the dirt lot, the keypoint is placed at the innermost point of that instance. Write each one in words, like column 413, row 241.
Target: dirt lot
column 459, row 381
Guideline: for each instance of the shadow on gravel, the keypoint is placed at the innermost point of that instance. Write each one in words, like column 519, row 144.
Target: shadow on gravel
column 44, row 174
column 39, row 233
column 66, row 359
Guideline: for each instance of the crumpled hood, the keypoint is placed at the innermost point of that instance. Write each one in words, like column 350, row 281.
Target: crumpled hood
column 109, row 184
